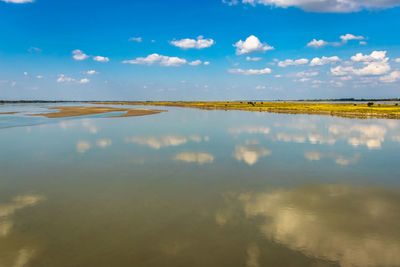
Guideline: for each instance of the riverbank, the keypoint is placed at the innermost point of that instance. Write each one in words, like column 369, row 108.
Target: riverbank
column 349, row 110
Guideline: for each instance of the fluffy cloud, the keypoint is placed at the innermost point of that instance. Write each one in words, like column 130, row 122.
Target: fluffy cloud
column 195, row 63
column 303, row 74
column 349, row 36
column 91, row 72
column 253, row 58
column 323, row 60
column 65, row 79
column 323, row 6
column 374, row 64
column 165, row 141
column 290, row 62
column 251, row 45
column 157, row 59
column 101, row 59
column 317, row 43
column 199, row 158
column 18, row 1
column 200, row 43
column 103, row 143
column 391, row 78
column 136, row 39
column 250, row 130
column 397, row 60
column 251, row 71
column 79, row 55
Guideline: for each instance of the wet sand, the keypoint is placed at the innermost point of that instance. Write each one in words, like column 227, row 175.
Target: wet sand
column 64, row 112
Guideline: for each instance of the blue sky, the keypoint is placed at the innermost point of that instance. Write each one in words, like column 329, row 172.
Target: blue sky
column 199, row 50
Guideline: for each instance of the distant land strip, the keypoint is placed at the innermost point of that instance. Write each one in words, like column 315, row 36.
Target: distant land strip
column 389, row 110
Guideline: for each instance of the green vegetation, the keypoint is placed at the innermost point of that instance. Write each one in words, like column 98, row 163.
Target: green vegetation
column 361, row 110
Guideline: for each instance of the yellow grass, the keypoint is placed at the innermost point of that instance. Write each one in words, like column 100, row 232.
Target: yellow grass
column 350, row 110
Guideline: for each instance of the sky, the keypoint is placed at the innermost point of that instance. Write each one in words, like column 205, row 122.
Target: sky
column 199, row 50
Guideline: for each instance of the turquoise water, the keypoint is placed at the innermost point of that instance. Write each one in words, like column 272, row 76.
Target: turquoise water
column 198, row 188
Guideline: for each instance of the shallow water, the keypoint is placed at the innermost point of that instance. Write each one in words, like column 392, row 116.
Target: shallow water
column 199, row 188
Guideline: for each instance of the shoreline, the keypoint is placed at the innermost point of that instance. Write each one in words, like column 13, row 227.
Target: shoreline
column 347, row 110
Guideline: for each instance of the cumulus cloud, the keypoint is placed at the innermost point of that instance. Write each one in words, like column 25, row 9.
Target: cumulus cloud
column 18, row 1
column 349, row 36
column 251, row 71
column 101, row 59
column 323, row 60
column 397, row 60
column 157, row 59
column 317, row 43
column 391, row 77
column 253, row 58
column 79, row 55
column 187, row 43
column 374, row 64
column 195, row 63
column 65, row 79
column 191, row 157
column 251, row 45
column 166, row 140
column 290, row 62
column 91, row 72
column 323, row 6
column 135, row 39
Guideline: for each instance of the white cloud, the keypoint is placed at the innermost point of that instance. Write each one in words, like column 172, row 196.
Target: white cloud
column 307, row 74
column 39, row 77
column 391, row 78
column 374, row 56
column 135, row 39
column 253, row 58
column 323, row 60
column 200, row 43
column 317, row 43
column 195, row 63
column 251, row 71
column 84, row 80
column 251, row 45
column 199, row 158
column 91, row 72
column 397, row 60
column 206, row 63
column 349, row 36
column 101, row 59
column 64, row 79
column 18, row 1
column 374, row 64
column 322, row 6
column 157, row 59
column 363, row 42
column 79, row 55
column 290, row 62
column 261, row 87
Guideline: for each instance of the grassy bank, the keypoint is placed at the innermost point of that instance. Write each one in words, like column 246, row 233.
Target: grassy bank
column 350, row 110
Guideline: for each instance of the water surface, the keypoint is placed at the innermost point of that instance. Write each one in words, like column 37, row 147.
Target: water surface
column 198, row 188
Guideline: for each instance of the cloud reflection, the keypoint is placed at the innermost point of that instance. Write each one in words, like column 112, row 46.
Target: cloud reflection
column 353, row 226
column 165, row 141
column 21, row 256
column 192, row 157
column 83, row 146
column 250, row 153
column 339, row 159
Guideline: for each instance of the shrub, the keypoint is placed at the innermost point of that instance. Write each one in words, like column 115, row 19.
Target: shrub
column 370, row 104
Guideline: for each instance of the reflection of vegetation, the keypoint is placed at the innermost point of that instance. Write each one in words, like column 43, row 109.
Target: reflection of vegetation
column 361, row 110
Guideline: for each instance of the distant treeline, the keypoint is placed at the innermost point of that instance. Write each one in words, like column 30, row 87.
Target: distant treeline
column 353, row 99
